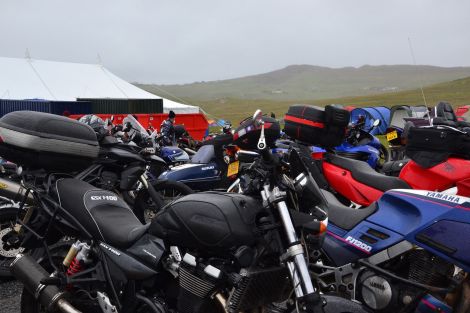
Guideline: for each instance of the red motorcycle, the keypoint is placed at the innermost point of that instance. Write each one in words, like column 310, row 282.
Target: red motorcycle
column 358, row 182
column 440, row 161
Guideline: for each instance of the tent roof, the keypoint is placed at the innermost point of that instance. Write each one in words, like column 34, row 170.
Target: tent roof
column 38, row 79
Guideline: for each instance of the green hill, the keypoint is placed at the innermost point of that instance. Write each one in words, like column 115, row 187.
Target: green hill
column 456, row 92
column 297, row 82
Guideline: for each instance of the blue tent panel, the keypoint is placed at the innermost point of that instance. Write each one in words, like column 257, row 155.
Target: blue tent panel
column 371, row 114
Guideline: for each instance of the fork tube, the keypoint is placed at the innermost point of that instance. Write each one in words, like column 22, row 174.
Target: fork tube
column 295, row 279
column 300, row 266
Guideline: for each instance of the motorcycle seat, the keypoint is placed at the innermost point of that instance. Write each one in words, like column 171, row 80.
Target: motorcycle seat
column 362, row 172
column 343, row 216
column 102, row 213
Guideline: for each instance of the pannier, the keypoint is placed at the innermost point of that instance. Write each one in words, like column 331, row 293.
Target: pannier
column 37, row 140
column 246, row 135
column 317, row 126
column 430, row 146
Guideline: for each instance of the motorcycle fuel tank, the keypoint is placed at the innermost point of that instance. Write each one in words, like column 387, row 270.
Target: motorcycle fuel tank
column 209, row 221
column 196, row 176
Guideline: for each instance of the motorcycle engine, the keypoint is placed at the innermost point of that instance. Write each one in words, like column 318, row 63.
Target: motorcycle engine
column 376, row 291
column 108, row 180
column 201, row 283
column 379, row 292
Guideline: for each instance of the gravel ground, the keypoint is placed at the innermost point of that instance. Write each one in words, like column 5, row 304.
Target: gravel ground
column 10, row 292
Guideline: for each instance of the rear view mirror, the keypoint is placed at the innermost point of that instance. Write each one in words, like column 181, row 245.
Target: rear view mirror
column 258, row 117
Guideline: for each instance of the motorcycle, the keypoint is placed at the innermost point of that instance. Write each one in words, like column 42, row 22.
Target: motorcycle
column 358, row 183
column 403, row 253
column 208, row 252
column 116, row 167
column 361, row 145
column 210, row 168
column 136, row 133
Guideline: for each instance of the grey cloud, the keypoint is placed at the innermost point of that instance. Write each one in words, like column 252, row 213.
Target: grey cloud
column 183, row 41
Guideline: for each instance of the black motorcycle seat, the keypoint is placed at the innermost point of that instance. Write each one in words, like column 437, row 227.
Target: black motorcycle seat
column 343, row 216
column 362, row 172
column 102, row 213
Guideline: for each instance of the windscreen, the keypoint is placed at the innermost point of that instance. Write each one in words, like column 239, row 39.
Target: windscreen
column 136, row 126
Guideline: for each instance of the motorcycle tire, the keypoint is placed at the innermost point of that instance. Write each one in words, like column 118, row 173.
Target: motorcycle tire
column 7, row 217
column 145, row 209
column 384, row 156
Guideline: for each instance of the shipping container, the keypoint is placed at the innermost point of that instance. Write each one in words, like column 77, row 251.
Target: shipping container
column 125, row 106
column 7, row 106
column 54, row 107
column 72, row 107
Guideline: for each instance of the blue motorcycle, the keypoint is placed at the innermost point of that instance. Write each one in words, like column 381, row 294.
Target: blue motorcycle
column 408, row 252
column 362, row 145
column 208, row 169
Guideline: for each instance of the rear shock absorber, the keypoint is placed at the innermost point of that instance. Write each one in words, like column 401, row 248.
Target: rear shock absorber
column 81, row 258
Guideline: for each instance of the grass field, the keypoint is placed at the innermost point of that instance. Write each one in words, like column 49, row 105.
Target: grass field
column 297, row 82
column 456, row 92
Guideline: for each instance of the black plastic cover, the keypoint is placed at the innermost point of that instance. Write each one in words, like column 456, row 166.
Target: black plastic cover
column 246, row 135
column 209, row 221
column 148, row 249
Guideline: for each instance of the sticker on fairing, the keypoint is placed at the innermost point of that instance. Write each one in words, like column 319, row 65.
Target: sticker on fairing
column 444, row 197
column 359, row 244
column 452, row 198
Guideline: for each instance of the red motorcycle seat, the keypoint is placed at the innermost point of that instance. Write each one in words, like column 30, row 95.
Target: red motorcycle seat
column 362, row 172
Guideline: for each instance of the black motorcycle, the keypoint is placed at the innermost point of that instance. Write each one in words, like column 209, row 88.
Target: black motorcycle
column 116, row 166
column 206, row 252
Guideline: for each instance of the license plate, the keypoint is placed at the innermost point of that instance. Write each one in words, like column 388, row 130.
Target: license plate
column 233, row 168
column 392, row 135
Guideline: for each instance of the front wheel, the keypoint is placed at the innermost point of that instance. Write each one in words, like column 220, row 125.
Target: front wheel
column 384, row 156
column 145, row 209
column 8, row 216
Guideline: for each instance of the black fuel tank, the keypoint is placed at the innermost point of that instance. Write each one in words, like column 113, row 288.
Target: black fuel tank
column 208, row 220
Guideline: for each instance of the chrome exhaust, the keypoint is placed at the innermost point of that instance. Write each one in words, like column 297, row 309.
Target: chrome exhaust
column 33, row 276
column 14, row 191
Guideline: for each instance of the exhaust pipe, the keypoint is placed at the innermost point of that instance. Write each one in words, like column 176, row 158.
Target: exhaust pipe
column 28, row 271
column 14, row 191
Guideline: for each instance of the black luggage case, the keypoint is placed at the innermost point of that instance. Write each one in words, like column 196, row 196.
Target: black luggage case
column 37, row 140
column 317, row 126
column 429, row 146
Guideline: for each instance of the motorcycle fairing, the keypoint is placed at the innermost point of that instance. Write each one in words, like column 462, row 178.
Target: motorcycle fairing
column 437, row 222
column 363, row 241
column 369, row 151
column 440, row 177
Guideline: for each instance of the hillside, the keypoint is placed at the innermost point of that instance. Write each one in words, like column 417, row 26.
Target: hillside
column 456, row 92
column 313, row 82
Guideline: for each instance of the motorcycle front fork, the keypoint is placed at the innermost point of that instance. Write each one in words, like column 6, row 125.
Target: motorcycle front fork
column 294, row 256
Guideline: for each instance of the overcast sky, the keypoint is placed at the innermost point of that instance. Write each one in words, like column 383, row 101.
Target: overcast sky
column 175, row 41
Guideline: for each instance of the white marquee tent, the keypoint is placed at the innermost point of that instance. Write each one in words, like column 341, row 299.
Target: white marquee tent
column 37, row 79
